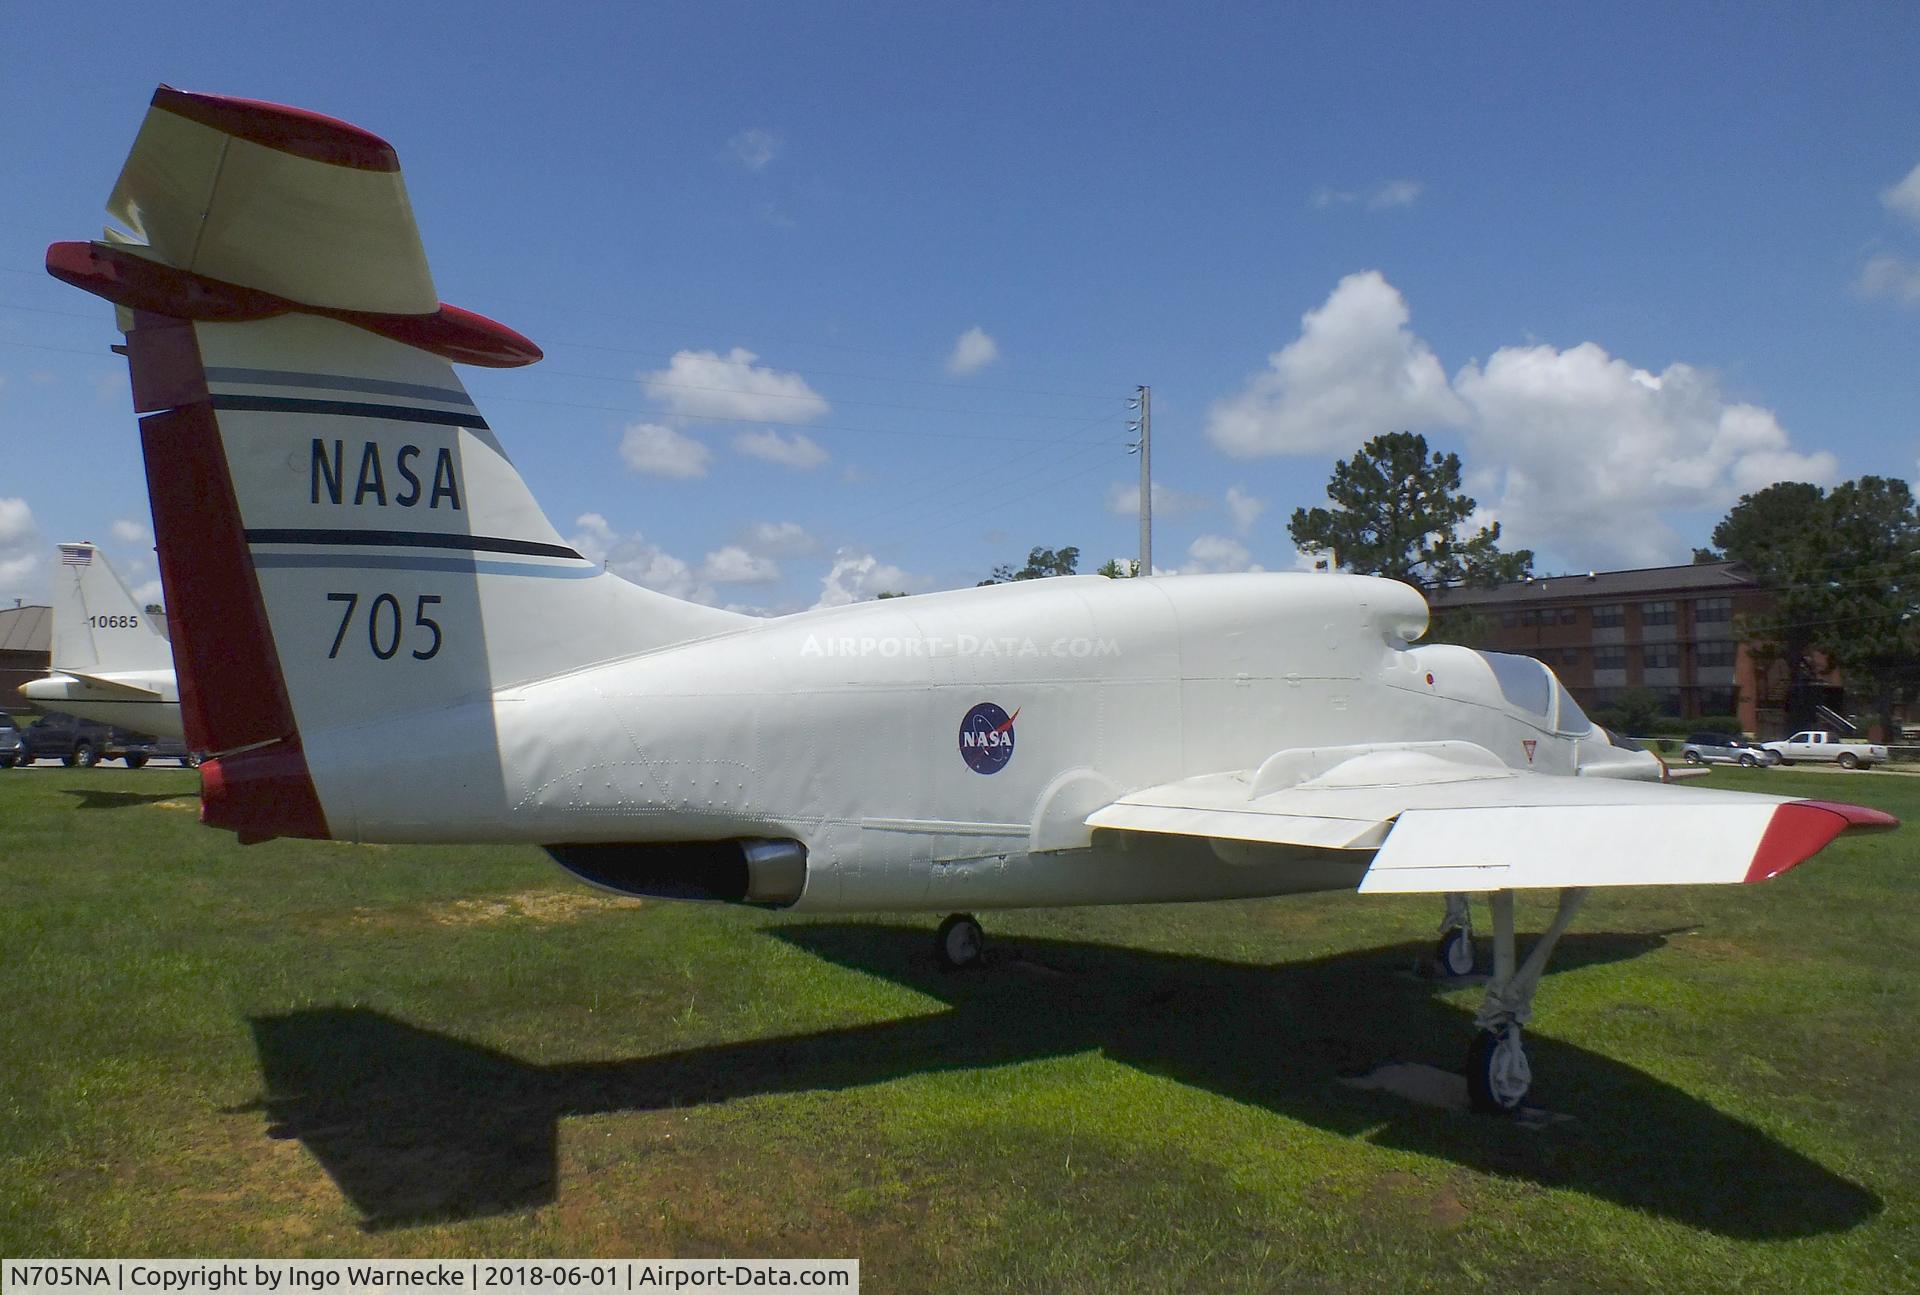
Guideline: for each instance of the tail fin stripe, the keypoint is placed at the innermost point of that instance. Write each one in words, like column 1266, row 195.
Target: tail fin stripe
column 349, row 409
column 383, row 562
column 413, row 540
column 338, row 382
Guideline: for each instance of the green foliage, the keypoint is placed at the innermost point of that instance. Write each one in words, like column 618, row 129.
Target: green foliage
column 1717, row 724
column 1119, row 568
column 1040, row 564
column 1844, row 567
column 1398, row 512
column 1636, row 709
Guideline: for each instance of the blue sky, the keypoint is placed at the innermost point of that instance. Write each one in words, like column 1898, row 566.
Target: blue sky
column 1629, row 261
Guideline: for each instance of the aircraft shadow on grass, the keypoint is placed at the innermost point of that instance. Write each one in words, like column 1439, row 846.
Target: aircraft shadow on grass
column 417, row 1127
column 93, row 798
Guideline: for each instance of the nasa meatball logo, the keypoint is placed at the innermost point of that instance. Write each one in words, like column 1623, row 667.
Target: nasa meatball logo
column 986, row 738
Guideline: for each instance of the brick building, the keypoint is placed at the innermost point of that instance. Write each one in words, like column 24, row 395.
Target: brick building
column 1669, row 629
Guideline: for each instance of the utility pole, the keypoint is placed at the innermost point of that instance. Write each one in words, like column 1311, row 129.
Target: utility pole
column 1143, row 401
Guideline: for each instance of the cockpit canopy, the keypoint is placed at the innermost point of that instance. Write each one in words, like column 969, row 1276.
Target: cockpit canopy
column 1529, row 686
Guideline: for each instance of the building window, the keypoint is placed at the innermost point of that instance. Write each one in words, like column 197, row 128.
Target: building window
column 1509, row 619
column 1611, row 657
column 1610, row 616
column 1718, row 652
column 1529, row 617
column 1719, row 701
column 1660, row 656
column 1568, row 616
column 1656, row 613
column 1570, row 657
column 1713, row 611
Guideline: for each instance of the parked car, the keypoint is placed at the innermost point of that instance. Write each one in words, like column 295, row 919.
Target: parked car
column 1815, row 745
column 1726, row 748
column 85, row 743
column 11, row 747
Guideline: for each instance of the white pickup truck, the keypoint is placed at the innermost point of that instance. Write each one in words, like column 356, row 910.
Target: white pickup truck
column 1818, row 744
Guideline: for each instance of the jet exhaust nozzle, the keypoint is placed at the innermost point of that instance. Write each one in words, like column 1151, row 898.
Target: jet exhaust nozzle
column 752, row 870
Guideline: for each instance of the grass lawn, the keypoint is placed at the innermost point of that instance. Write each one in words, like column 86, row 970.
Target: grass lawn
column 311, row 1049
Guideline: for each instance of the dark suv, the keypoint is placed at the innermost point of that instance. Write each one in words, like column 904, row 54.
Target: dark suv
column 84, row 742
column 12, row 748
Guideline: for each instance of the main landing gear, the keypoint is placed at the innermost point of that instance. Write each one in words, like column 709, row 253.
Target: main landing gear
column 959, row 942
column 1453, row 956
column 1498, row 1075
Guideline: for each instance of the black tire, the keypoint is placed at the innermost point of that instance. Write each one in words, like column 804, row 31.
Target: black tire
column 1453, row 956
column 1691, row 757
column 191, row 760
column 1492, row 1088
column 1748, row 762
column 958, row 942
column 84, row 755
column 6, row 762
column 1785, row 763
column 135, row 760
column 1848, row 760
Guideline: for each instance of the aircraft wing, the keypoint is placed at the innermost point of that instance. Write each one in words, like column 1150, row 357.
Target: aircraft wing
column 1449, row 816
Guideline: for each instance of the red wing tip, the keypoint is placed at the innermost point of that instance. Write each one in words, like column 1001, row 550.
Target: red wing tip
column 297, row 131
column 1860, row 818
column 1800, row 829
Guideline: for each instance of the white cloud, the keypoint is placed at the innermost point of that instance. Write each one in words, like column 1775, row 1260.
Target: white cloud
column 148, row 593
column 754, row 148
column 1384, row 196
column 1579, row 454
column 706, row 384
column 22, row 562
column 1582, row 454
column 128, row 531
column 1904, row 198
column 973, row 351
column 1355, row 372
column 856, row 576
column 1124, row 501
column 660, row 451
column 786, row 538
column 796, row 451
column 1893, row 277
column 733, row 565
column 1244, row 509
column 1210, row 553
column 632, row 556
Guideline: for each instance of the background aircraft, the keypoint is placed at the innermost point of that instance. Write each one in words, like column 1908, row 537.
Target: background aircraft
column 381, row 637
column 110, row 661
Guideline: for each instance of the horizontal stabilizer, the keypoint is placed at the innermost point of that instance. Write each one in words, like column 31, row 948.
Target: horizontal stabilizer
column 276, row 199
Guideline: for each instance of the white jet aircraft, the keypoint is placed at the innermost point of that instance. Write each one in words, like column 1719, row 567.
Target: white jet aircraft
column 110, row 661
column 382, row 638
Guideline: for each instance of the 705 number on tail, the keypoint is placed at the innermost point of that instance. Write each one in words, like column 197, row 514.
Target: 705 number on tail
column 385, row 627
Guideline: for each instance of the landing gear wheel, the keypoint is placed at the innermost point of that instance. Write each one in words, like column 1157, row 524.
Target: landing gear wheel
column 1453, row 956
column 958, row 942
column 136, row 761
column 1498, row 1076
